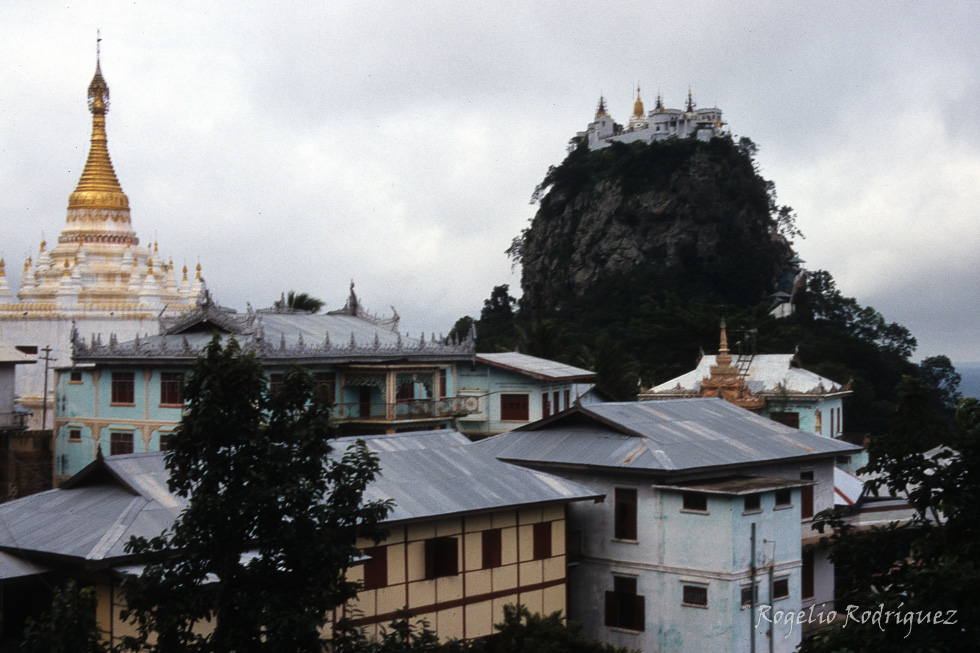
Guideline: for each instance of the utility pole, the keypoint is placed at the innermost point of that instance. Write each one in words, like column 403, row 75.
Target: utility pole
column 44, row 396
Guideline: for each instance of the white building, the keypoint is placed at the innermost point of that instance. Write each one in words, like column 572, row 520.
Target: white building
column 97, row 279
column 659, row 124
column 704, row 500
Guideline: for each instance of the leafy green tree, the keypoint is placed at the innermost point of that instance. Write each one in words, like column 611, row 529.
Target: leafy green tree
column 69, row 627
column 523, row 632
column 271, row 524
column 495, row 329
column 923, row 567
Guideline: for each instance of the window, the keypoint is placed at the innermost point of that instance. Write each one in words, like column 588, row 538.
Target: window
column 556, row 401
column 696, row 501
column 784, row 498
column 171, row 388
column 806, row 579
column 545, row 405
column 443, row 384
column 492, row 549
column 625, row 528
column 123, row 388
column 324, row 386
column 75, row 377
column 696, row 595
column 376, row 568
column 165, row 441
column 542, row 540
column 74, row 435
column 275, row 383
column 806, row 496
column 747, row 596
column 753, row 503
column 405, row 392
column 120, row 442
column 26, row 349
column 780, row 589
column 789, row 419
column 513, row 408
column 624, row 607
column 568, row 399
column 441, row 557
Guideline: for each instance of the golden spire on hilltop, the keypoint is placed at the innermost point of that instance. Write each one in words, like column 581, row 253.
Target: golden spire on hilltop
column 638, row 105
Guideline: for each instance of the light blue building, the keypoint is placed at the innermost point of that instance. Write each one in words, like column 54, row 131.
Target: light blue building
column 125, row 397
column 510, row 389
column 705, row 500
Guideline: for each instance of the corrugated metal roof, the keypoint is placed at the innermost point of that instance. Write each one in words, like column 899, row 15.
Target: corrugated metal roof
column 428, row 475
column 767, row 373
column 662, row 436
column 408, row 440
column 539, row 368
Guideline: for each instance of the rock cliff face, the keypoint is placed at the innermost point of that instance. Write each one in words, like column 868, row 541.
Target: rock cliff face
column 681, row 215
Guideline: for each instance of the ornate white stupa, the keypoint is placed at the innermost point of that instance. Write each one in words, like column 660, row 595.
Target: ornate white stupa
column 97, row 279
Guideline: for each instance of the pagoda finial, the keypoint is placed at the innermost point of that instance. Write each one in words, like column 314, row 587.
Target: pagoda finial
column 638, row 105
column 690, row 100
column 98, row 191
column 600, row 111
column 659, row 107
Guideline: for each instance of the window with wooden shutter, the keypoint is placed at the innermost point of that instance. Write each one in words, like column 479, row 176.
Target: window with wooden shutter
column 441, row 557
column 514, row 408
column 542, row 540
column 624, row 607
column 786, row 418
column 545, row 405
column 625, row 527
column 806, row 496
column 492, row 548
column 123, row 388
column 376, row 567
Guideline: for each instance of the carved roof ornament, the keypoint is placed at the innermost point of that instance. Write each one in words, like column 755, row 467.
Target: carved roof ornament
column 724, row 380
column 600, row 111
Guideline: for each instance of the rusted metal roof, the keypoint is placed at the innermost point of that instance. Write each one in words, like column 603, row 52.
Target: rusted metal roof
column 538, row 368
column 660, row 436
column 428, row 475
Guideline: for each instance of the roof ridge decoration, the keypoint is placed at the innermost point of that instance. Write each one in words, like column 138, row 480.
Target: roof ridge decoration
column 208, row 311
column 354, row 308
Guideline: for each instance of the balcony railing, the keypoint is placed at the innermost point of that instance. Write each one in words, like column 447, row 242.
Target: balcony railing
column 413, row 409
column 13, row 421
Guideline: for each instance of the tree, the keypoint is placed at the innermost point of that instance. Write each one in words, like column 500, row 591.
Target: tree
column 70, row 627
column 923, row 567
column 938, row 373
column 271, row 522
column 523, row 632
column 294, row 301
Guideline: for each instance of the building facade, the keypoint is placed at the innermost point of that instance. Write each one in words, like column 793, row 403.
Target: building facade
column 511, row 389
column 706, row 525
column 455, row 554
column 97, row 278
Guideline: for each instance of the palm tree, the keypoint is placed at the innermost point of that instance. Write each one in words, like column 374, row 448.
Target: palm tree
column 300, row 302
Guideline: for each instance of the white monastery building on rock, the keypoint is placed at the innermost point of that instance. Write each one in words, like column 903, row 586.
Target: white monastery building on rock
column 658, row 125
column 96, row 279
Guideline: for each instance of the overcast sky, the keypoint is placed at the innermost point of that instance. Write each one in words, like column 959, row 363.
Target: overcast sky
column 398, row 144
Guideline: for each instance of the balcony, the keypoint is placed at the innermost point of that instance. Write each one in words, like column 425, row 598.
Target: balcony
column 403, row 411
column 15, row 421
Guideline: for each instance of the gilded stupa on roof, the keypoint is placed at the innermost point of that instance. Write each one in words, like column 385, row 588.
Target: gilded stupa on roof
column 96, row 278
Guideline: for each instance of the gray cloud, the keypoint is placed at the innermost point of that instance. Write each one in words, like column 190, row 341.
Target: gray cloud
column 399, row 144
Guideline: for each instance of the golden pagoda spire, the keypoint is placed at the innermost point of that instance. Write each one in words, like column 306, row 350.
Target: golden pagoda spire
column 98, row 210
column 638, row 105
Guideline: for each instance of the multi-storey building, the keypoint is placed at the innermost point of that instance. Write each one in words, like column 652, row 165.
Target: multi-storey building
column 708, row 520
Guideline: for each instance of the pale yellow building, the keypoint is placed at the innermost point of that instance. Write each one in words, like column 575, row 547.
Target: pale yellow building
column 95, row 279
column 468, row 534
